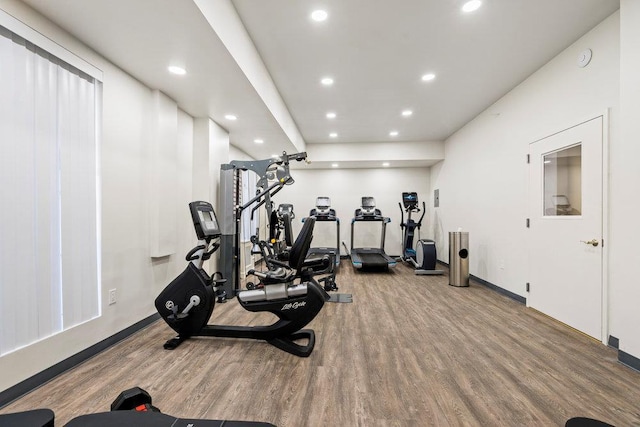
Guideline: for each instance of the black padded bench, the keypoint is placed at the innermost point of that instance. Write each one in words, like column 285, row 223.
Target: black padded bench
column 45, row 418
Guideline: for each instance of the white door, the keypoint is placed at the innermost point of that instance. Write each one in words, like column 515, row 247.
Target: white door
column 566, row 226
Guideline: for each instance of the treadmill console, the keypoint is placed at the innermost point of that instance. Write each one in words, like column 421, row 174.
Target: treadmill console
column 323, row 208
column 410, row 200
column 368, row 208
column 204, row 220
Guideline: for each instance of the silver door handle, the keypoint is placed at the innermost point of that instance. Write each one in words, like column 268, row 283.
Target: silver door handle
column 592, row 242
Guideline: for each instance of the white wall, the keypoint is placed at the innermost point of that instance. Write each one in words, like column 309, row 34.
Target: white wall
column 624, row 292
column 346, row 187
column 483, row 179
column 126, row 158
column 236, row 154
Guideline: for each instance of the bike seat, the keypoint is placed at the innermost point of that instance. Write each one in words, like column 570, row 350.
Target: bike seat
column 279, row 275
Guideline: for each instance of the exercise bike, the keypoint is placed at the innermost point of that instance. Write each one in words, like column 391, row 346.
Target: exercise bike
column 187, row 303
column 423, row 258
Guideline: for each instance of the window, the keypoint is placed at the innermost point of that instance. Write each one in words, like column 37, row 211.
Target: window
column 563, row 182
column 49, row 257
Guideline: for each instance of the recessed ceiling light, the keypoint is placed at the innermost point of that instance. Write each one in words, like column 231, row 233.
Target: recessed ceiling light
column 275, row 156
column 471, row 5
column 331, row 115
column 319, row 15
column 174, row 69
column 258, row 141
column 428, row 77
column 393, row 133
column 407, row 113
column 334, row 165
column 327, row 81
column 333, row 135
column 385, row 164
column 230, row 117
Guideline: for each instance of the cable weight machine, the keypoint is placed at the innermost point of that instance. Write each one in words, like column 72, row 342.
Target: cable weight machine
column 274, row 170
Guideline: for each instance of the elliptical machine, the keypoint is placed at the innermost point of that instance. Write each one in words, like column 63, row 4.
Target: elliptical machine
column 423, row 258
column 187, row 303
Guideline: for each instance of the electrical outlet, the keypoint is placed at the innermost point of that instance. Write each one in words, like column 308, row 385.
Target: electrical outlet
column 112, row 296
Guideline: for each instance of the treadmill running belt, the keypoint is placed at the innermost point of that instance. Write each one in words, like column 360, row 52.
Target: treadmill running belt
column 373, row 260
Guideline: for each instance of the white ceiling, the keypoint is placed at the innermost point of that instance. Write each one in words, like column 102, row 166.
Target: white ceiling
column 376, row 51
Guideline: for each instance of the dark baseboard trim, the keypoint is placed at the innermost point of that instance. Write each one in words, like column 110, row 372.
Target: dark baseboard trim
column 500, row 290
column 629, row 360
column 624, row 358
column 41, row 378
column 491, row 286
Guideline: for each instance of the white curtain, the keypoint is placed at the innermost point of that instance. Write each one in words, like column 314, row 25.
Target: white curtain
column 48, row 194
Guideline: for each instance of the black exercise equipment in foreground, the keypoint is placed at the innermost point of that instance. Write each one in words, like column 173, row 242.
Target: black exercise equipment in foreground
column 133, row 399
column 187, row 302
column 423, row 257
column 370, row 257
column 129, row 409
column 152, row 419
column 34, row 418
column 585, row 422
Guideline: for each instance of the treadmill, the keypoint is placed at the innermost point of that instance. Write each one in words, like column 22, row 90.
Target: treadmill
column 370, row 258
column 324, row 213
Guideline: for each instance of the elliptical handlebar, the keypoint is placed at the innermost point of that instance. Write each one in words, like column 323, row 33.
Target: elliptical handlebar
column 410, row 209
column 424, row 211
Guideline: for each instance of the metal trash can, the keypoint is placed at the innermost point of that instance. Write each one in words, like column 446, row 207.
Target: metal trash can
column 459, row 258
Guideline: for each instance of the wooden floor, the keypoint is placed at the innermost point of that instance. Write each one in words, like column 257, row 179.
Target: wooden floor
column 409, row 351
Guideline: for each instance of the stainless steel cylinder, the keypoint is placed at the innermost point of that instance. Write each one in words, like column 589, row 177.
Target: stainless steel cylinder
column 458, row 258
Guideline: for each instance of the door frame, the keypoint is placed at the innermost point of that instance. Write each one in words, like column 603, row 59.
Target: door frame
column 605, row 213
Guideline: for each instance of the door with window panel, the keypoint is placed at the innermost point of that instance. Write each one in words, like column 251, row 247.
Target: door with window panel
column 565, row 244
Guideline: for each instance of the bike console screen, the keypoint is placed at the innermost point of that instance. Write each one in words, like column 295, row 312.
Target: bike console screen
column 204, row 220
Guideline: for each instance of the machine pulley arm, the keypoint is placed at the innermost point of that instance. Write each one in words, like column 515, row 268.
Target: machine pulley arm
column 265, row 168
column 279, row 185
